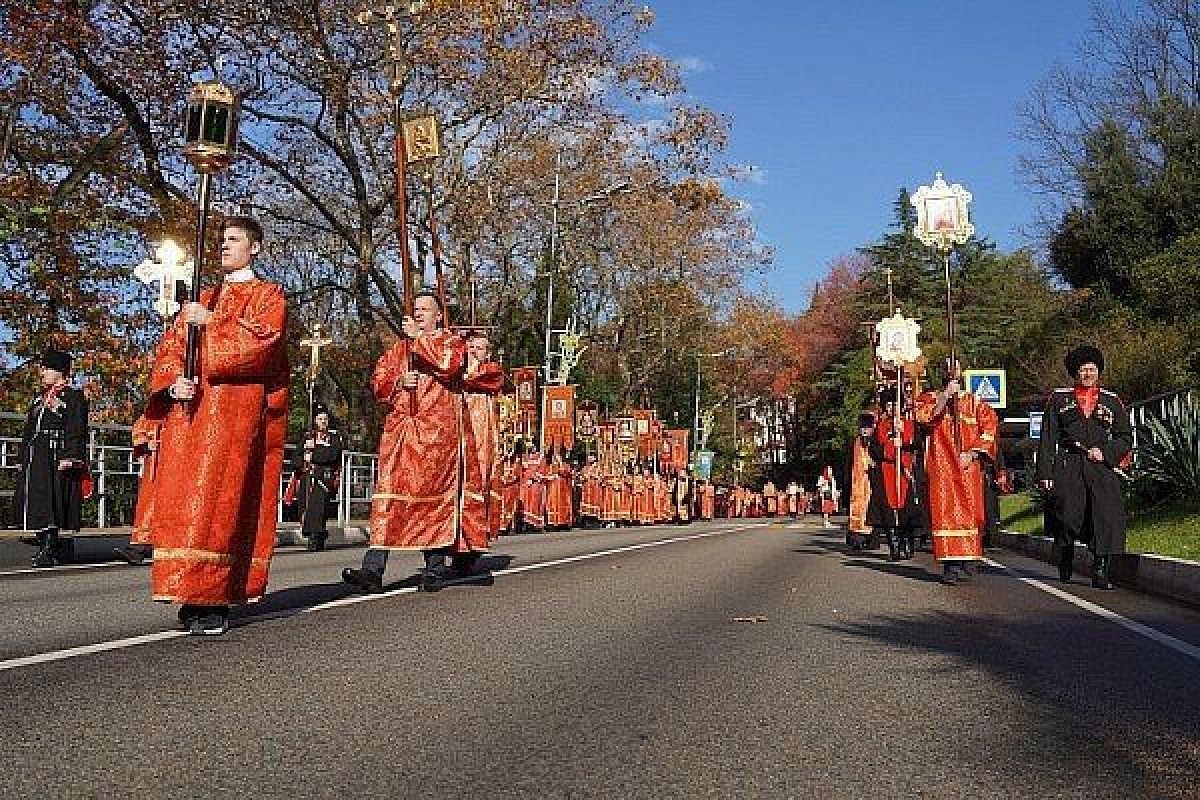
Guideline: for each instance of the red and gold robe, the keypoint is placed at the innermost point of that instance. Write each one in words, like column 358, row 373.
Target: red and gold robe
column 591, row 496
column 708, row 501
column 429, row 493
column 533, row 491
column 896, row 483
column 612, row 487
column 481, row 386
column 860, row 486
column 770, row 499
column 509, row 481
column 215, row 490
column 793, row 493
column 147, row 432
column 559, row 502
column 956, row 507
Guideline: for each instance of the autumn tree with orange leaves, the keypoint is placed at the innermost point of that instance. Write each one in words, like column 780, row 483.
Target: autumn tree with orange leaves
column 92, row 92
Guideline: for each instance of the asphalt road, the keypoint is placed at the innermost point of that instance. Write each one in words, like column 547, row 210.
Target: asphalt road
column 751, row 660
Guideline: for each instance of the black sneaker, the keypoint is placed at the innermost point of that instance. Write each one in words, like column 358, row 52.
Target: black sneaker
column 949, row 575
column 363, row 580
column 211, row 622
column 45, row 558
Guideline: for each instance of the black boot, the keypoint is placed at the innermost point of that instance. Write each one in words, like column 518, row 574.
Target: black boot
column 1066, row 561
column 47, row 554
column 364, row 580
column 1100, row 573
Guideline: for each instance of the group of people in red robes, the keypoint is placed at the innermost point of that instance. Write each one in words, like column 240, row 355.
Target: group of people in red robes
column 920, row 470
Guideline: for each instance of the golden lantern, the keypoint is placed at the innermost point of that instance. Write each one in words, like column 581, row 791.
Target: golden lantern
column 211, row 126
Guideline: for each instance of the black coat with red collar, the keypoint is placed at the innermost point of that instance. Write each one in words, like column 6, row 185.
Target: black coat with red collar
column 1086, row 499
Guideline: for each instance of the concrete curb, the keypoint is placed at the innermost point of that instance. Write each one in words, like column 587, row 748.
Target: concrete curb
column 1173, row 578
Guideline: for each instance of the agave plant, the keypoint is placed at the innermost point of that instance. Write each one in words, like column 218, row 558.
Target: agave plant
column 1169, row 449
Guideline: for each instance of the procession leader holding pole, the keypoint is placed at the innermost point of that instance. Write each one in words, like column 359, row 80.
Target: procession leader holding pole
column 220, row 384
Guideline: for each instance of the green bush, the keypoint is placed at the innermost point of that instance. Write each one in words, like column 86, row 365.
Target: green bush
column 1169, row 450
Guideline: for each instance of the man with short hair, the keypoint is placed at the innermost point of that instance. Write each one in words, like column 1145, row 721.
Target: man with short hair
column 429, row 481
column 221, row 440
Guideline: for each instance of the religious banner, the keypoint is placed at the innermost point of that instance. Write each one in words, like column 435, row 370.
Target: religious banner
column 646, row 441
column 704, row 464
column 508, row 420
column 679, row 447
column 586, row 421
column 525, row 381
column 559, row 416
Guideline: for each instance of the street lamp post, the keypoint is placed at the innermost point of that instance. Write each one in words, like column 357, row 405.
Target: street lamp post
column 696, row 407
column 552, row 268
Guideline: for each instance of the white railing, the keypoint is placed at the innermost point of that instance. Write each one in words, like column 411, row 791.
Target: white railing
column 115, row 462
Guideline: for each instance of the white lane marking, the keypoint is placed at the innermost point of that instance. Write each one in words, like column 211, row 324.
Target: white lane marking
column 1166, row 640
column 283, row 550
column 65, row 568
column 88, row 649
column 149, row 638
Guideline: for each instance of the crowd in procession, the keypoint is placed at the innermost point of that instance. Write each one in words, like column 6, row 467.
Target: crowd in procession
column 212, row 447
column 928, row 463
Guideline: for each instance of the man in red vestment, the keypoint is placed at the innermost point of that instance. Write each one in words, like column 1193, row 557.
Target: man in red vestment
column 220, row 443
column 482, row 383
column 956, row 508
column 508, row 480
column 559, row 479
column 590, row 498
column 429, row 493
column 533, row 491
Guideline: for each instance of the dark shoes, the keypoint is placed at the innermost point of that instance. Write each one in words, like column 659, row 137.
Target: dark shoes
column 949, row 574
column 212, row 621
column 1100, row 573
column 316, row 542
column 46, row 557
column 188, row 613
column 131, row 554
column 204, row 620
column 363, row 580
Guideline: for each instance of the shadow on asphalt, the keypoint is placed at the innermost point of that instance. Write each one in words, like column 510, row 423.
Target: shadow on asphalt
column 298, row 598
column 1100, row 697
column 898, row 568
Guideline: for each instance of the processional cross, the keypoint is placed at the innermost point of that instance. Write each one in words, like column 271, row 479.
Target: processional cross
column 167, row 268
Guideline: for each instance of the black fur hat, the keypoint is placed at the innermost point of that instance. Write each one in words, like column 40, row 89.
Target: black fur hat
column 1085, row 354
column 57, row 360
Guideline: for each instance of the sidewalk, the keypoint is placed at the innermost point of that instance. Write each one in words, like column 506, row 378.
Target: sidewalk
column 1173, row 578
column 94, row 545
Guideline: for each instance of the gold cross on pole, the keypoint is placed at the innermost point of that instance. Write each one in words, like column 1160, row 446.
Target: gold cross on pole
column 314, row 343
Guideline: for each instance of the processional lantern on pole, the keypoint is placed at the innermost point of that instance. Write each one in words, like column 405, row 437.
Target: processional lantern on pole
column 210, row 144
column 943, row 222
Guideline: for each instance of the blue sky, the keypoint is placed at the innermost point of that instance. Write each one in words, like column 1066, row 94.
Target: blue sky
column 839, row 104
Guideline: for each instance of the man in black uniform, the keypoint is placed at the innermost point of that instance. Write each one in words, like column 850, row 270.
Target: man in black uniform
column 318, row 474
column 1086, row 437
column 52, row 459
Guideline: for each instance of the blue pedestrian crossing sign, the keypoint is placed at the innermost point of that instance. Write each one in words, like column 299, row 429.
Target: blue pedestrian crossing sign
column 989, row 385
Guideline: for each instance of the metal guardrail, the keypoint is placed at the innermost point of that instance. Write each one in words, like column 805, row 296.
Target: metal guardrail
column 115, row 463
